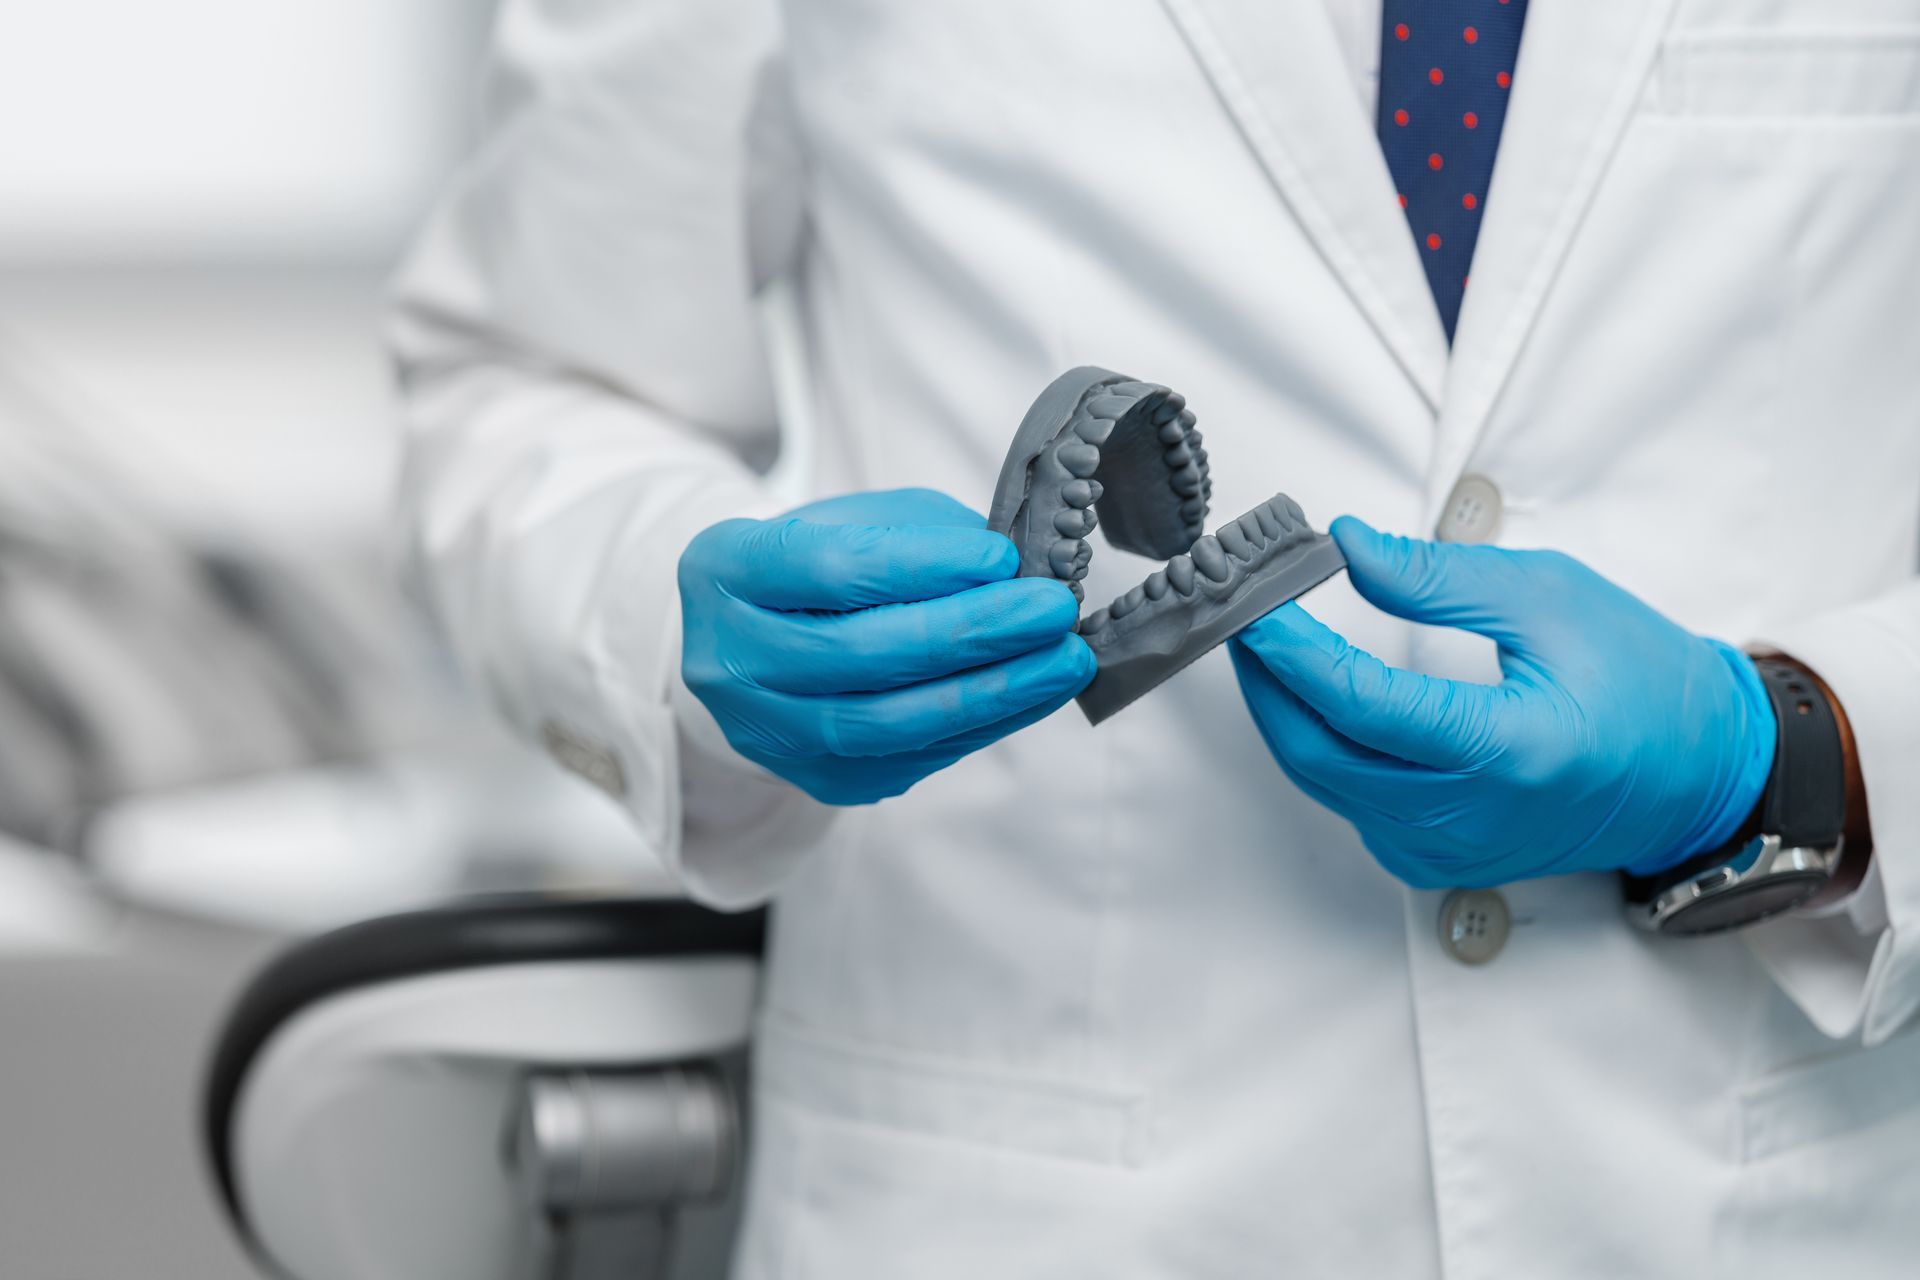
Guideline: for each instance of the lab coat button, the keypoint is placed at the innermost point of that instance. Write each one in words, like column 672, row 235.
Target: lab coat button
column 1472, row 513
column 592, row 761
column 1474, row 924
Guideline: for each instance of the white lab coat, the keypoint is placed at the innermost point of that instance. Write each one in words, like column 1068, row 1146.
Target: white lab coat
column 1121, row 1002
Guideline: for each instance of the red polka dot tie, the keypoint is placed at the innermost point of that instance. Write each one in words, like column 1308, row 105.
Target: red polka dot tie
column 1445, row 70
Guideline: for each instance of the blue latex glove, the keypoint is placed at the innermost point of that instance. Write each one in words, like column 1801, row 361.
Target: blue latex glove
column 856, row 645
column 1615, row 740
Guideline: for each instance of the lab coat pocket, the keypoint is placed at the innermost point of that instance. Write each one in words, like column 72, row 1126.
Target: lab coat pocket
column 1827, row 1175
column 836, row 1076
column 835, row 1200
column 1790, row 73
column 1831, row 1097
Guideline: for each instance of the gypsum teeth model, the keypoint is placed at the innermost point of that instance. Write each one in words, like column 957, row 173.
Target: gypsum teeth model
column 1098, row 449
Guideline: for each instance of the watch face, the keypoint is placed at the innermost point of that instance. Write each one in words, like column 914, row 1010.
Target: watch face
column 1746, row 904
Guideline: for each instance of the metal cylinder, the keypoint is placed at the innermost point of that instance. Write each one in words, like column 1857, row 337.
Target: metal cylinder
column 591, row 1142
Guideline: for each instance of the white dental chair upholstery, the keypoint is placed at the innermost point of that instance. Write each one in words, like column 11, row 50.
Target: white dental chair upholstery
column 513, row 1089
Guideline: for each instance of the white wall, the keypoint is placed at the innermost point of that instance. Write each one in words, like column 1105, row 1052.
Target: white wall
column 143, row 131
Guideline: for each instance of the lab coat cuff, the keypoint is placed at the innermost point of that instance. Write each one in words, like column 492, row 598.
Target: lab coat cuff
column 744, row 829
column 727, row 830
column 1855, row 972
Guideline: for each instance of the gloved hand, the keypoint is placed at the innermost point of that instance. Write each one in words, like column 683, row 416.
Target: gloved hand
column 1615, row 740
column 856, row 645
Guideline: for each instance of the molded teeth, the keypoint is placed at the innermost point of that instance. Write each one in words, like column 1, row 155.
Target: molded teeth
column 1094, row 621
column 1081, row 493
column 1066, row 560
column 1186, row 463
column 1209, row 558
column 1294, row 513
column 1193, row 510
column 1250, row 526
column 1111, row 406
column 1169, row 408
column 1180, row 573
column 1080, row 460
column 1235, row 542
column 1136, row 390
column 1156, row 584
column 1074, row 523
column 1126, row 604
column 1270, row 523
column 1094, row 430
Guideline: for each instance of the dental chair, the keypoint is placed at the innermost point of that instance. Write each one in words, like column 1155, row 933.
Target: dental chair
column 508, row 1089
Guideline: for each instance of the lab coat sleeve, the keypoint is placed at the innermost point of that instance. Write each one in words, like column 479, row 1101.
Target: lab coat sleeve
column 1856, row 972
column 585, row 387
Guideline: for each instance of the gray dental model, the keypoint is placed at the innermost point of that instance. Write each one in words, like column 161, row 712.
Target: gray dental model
column 1099, row 449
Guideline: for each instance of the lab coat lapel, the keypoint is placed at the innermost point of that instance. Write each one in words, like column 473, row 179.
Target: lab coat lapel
column 1582, row 67
column 1279, row 73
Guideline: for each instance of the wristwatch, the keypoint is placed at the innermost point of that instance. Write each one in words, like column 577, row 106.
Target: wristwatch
column 1788, row 851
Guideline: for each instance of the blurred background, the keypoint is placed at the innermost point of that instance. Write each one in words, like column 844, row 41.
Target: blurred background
column 222, row 721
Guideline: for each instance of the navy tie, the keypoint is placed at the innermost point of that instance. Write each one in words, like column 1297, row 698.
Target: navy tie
column 1445, row 69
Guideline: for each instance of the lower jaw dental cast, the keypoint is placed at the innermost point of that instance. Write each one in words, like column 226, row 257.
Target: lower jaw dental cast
column 1100, row 450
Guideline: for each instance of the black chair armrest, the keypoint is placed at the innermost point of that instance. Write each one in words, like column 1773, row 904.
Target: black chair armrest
column 468, row 935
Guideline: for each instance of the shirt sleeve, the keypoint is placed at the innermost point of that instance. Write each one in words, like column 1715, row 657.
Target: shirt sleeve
column 585, row 386
column 1856, row 972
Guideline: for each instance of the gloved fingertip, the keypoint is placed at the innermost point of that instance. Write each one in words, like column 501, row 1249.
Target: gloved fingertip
column 1053, row 674
column 1368, row 551
column 1089, row 665
column 1388, row 569
column 1281, row 624
column 1068, row 659
column 1274, row 637
column 1248, row 669
column 1060, row 593
column 1351, row 527
column 977, row 556
column 1042, row 604
column 932, row 506
column 999, row 556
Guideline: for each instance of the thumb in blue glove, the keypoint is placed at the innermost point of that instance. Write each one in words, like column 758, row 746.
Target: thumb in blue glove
column 1616, row 739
